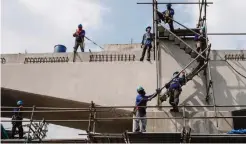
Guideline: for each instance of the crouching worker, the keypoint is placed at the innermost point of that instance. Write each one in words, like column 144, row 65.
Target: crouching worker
column 17, row 124
column 140, row 109
column 147, row 43
column 174, row 90
column 79, row 38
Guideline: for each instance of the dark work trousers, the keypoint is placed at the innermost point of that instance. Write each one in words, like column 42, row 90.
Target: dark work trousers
column 148, row 48
column 79, row 44
column 20, row 129
column 174, row 97
column 171, row 26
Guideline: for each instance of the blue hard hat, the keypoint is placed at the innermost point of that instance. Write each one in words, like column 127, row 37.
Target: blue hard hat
column 19, row 103
column 80, row 26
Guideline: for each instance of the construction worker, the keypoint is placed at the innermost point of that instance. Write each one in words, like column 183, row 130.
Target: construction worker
column 174, row 90
column 140, row 109
column 79, row 38
column 200, row 38
column 147, row 43
column 167, row 14
column 17, row 116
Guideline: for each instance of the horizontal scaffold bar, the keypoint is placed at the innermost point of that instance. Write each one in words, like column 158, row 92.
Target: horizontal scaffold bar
column 127, row 118
column 174, row 3
column 111, row 107
column 226, row 33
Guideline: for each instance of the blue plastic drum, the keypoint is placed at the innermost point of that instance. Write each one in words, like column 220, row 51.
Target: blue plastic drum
column 60, row 49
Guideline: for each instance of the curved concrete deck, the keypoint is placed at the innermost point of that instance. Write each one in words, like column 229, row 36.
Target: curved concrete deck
column 114, row 83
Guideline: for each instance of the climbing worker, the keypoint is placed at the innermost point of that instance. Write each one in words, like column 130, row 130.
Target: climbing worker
column 17, row 116
column 140, row 109
column 168, row 16
column 79, row 38
column 200, row 41
column 147, row 43
column 174, row 90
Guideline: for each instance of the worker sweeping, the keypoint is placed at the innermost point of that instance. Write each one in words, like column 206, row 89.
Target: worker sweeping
column 79, row 38
column 17, row 116
column 140, row 109
column 174, row 90
column 167, row 16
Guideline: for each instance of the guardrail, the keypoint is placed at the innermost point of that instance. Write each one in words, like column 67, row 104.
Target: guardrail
column 46, row 60
column 111, row 57
column 235, row 57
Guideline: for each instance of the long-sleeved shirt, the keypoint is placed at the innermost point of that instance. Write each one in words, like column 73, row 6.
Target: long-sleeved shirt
column 177, row 83
column 80, row 35
column 147, row 39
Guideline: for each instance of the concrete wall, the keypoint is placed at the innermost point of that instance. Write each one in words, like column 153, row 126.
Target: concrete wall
column 122, row 47
column 105, row 83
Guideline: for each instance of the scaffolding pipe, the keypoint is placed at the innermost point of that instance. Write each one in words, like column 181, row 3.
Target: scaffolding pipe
column 184, row 42
column 175, row 3
column 116, row 107
column 126, row 118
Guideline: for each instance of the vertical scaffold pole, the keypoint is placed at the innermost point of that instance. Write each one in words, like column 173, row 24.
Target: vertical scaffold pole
column 157, row 52
column 90, row 116
column 94, row 117
column 153, row 11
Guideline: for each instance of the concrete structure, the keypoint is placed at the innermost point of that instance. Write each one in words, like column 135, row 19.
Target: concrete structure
column 114, row 82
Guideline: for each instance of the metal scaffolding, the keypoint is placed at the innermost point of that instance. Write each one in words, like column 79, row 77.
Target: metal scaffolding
column 94, row 110
column 38, row 134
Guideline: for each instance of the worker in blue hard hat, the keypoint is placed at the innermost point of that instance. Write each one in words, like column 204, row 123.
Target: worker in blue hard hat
column 147, row 43
column 140, row 109
column 174, row 90
column 17, row 116
column 79, row 38
column 168, row 16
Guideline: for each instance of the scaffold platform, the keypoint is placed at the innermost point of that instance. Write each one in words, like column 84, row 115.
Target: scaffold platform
column 148, row 137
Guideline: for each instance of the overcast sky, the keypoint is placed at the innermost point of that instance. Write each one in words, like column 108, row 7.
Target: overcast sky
column 38, row 25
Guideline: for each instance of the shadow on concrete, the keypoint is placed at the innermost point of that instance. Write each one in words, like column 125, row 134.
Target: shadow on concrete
column 9, row 98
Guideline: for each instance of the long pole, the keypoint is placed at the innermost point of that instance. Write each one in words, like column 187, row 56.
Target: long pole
column 176, row 3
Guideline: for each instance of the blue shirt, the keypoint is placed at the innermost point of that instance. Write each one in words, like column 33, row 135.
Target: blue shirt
column 177, row 83
column 147, row 39
column 142, row 101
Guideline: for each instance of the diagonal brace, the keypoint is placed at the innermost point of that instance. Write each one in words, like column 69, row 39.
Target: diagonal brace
column 183, row 42
column 190, row 63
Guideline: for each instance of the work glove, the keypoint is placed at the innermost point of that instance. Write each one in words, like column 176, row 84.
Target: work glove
column 158, row 90
column 166, row 86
